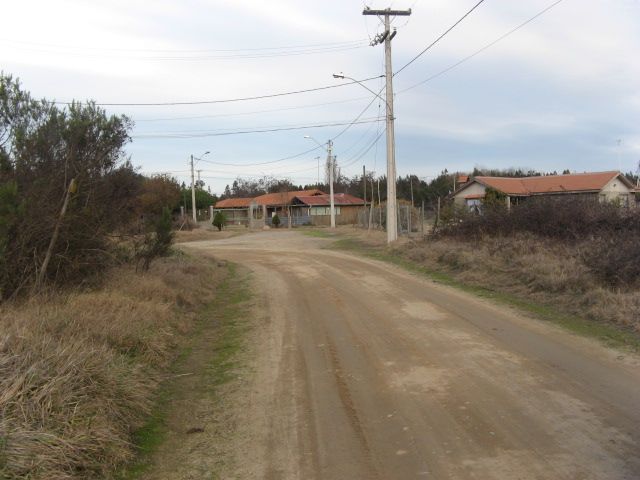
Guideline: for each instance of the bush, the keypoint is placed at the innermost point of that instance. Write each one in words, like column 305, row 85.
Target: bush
column 615, row 261
column 157, row 243
column 275, row 221
column 219, row 220
column 605, row 235
column 564, row 218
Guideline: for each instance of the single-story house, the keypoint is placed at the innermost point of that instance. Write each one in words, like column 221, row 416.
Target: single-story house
column 236, row 210
column 302, row 207
column 318, row 207
column 609, row 186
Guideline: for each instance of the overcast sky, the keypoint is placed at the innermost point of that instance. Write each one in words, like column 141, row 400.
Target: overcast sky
column 562, row 92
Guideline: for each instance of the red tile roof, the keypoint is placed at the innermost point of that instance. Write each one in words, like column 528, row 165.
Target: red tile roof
column 234, row 203
column 284, row 198
column 577, row 182
column 324, row 200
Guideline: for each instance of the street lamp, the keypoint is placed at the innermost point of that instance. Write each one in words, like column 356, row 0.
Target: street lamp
column 331, row 163
column 392, row 214
column 193, row 187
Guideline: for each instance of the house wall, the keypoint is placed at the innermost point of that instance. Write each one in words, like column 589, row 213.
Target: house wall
column 615, row 190
column 474, row 189
column 348, row 216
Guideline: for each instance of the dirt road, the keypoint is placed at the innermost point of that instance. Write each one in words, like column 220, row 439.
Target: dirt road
column 364, row 371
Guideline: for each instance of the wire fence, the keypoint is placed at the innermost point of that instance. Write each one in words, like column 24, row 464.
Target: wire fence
column 411, row 221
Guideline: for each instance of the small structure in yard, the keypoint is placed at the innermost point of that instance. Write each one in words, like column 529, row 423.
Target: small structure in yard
column 303, row 207
column 602, row 186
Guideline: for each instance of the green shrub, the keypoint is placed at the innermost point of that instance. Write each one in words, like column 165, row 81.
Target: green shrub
column 157, row 243
column 219, row 220
column 275, row 221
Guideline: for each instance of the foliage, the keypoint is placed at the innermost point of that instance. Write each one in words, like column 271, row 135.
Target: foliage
column 494, row 199
column 275, row 221
column 606, row 233
column 204, row 198
column 42, row 148
column 219, row 220
column 157, row 243
column 159, row 192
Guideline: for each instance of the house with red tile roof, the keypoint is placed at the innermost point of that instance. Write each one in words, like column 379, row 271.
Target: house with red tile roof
column 610, row 186
column 301, row 207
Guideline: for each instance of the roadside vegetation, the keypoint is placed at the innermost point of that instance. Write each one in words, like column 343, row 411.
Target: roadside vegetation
column 580, row 257
column 93, row 299
column 79, row 371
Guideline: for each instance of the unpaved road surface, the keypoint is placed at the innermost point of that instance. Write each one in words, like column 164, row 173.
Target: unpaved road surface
column 364, row 371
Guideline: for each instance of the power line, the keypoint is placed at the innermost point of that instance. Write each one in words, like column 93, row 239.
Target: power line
column 264, row 163
column 242, row 132
column 486, row 47
column 228, row 100
column 223, row 115
column 228, row 56
column 286, row 47
column 195, row 131
column 439, row 38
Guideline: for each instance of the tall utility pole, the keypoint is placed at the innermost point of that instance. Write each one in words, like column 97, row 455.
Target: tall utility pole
column 332, row 164
column 364, row 181
column 193, row 193
column 386, row 37
column 318, row 159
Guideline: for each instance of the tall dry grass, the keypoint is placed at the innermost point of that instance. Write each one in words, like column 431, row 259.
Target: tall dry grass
column 78, row 372
column 539, row 269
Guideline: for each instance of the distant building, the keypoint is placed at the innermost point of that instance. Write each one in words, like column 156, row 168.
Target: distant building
column 304, row 207
column 605, row 186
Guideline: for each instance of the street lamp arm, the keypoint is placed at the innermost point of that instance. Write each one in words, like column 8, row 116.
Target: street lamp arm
column 343, row 77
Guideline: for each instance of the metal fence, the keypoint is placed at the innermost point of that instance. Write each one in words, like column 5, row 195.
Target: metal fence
column 411, row 220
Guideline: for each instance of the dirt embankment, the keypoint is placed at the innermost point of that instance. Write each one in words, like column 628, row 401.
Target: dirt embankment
column 79, row 371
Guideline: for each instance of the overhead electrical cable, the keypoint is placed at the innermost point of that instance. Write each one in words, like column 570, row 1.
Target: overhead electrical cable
column 486, row 47
column 199, row 57
column 233, row 129
column 432, row 44
column 264, row 163
column 243, row 132
column 198, row 117
column 227, row 100
column 205, row 50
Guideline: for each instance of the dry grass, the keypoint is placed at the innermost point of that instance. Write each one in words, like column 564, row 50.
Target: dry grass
column 78, row 372
column 538, row 269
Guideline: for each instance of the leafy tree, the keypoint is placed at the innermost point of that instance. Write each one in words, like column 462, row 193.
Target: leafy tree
column 159, row 192
column 42, row 148
column 275, row 220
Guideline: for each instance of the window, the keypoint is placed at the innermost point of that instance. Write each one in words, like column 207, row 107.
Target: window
column 324, row 210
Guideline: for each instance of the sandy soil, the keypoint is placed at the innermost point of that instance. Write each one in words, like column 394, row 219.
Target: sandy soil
column 359, row 370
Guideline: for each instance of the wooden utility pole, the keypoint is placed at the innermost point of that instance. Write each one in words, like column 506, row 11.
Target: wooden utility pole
column 386, row 37
column 371, row 206
column 332, row 165
column 411, row 187
column 193, row 194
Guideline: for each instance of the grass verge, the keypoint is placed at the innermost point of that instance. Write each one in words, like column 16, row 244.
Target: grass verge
column 208, row 361
column 610, row 335
column 79, row 371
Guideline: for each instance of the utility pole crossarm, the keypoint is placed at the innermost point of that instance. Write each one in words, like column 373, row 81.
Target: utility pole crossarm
column 387, row 11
